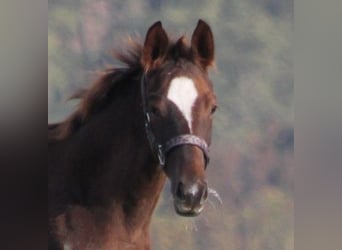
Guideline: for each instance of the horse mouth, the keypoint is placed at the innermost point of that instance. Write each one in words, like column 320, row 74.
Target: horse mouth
column 184, row 209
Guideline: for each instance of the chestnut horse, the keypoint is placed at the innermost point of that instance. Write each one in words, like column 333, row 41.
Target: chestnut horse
column 135, row 127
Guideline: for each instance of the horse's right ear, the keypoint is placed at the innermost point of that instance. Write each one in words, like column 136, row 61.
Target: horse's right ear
column 202, row 44
column 155, row 46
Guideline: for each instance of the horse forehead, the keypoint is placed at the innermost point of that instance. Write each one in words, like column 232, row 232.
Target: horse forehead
column 183, row 93
column 180, row 84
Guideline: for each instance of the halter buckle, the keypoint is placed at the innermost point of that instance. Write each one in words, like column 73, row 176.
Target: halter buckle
column 147, row 118
column 160, row 154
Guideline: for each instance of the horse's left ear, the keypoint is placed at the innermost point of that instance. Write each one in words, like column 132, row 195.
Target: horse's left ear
column 202, row 44
column 155, row 46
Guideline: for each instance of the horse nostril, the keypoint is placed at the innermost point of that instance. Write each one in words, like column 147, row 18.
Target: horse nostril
column 195, row 192
column 180, row 191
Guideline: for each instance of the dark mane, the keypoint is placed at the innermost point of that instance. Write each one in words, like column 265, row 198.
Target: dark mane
column 97, row 95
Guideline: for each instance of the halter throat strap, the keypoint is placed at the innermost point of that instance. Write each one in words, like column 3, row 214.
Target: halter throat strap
column 160, row 150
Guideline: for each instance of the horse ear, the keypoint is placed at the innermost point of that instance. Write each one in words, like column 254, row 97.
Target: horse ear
column 155, row 46
column 202, row 44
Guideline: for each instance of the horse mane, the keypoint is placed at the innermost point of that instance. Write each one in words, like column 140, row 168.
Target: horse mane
column 97, row 95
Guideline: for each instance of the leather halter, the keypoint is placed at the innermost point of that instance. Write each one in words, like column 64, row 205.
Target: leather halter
column 160, row 150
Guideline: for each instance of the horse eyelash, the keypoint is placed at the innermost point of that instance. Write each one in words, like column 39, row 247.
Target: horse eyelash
column 154, row 110
column 214, row 109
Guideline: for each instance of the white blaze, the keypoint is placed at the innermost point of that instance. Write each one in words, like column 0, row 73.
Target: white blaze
column 183, row 93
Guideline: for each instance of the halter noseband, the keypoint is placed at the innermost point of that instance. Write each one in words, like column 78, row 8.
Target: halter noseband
column 161, row 150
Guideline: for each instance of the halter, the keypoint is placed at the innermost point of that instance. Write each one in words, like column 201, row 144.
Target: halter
column 160, row 150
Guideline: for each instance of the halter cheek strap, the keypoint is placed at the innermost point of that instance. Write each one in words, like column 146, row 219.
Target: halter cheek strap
column 160, row 150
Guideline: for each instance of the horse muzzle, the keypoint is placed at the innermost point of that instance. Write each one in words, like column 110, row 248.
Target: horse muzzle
column 189, row 198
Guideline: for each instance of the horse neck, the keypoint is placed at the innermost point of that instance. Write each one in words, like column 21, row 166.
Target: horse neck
column 118, row 170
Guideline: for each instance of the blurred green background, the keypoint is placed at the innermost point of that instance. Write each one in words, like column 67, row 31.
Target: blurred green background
column 251, row 165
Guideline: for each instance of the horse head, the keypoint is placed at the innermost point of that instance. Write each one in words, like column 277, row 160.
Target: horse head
column 179, row 103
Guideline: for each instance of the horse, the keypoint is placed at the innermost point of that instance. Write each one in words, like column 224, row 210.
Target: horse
column 135, row 127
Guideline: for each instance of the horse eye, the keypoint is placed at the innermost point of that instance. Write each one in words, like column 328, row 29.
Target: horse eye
column 154, row 110
column 213, row 109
